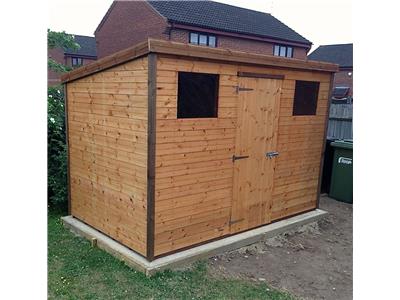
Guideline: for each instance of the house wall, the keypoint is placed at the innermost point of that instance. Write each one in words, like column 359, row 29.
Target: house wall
column 132, row 22
column 53, row 78
column 107, row 136
column 239, row 44
column 128, row 23
column 194, row 172
column 343, row 79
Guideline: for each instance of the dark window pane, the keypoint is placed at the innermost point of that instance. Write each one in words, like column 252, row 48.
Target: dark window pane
column 282, row 51
column 212, row 41
column 203, row 40
column 197, row 95
column 194, row 38
column 305, row 98
column 289, row 52
column 276, row 50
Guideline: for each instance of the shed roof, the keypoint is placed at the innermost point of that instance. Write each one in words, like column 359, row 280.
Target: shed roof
column 88, row 46
column 341, row 54
column 220, row 16
column 193, row 51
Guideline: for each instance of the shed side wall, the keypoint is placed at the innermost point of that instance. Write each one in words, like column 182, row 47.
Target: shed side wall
column 107, row 122
column 193, row 160
column 194, row 171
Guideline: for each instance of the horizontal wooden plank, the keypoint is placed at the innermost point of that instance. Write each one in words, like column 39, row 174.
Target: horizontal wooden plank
column 293, row 210
column 109, row 121
column 192, row 189
column 180, row 233
column 195, row 218
column 187, row 179
column 202, row 203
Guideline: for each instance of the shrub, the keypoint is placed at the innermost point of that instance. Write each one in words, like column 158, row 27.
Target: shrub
column 56, row 148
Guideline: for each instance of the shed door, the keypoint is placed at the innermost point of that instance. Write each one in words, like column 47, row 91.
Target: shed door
column 256, row 136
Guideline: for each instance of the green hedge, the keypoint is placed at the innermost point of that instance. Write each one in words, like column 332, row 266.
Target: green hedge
column 56, row 148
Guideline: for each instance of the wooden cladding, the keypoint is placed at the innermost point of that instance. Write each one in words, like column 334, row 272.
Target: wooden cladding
column 108, row 135
column 158, row 183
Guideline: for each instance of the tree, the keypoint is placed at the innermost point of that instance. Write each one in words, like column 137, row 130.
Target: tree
column 56, row 139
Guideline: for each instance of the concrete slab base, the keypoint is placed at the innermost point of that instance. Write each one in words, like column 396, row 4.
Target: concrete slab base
column 185, row 257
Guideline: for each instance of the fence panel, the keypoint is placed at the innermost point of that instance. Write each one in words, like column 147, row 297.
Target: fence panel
column 340, row 121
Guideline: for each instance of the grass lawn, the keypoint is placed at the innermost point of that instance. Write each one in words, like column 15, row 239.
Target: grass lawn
column 78, row 271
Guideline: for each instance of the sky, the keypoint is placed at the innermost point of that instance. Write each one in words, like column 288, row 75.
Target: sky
column 321, row 21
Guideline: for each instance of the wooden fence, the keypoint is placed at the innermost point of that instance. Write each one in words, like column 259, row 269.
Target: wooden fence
column 340, row 121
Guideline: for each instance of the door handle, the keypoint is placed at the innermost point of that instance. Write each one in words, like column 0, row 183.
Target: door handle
column 271, row 154
column 234, row 157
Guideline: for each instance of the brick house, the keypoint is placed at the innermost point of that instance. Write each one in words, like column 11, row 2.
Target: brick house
column 204, row 23
column 85, row 55
column 341, row 54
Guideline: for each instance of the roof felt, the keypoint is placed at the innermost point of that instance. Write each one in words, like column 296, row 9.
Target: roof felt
column 88, row 46
column 341, row 54
column 224, row 17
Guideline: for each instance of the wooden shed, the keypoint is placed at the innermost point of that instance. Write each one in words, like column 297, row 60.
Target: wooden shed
column 173, row 145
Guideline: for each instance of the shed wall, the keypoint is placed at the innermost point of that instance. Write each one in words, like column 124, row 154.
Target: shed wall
column 194, row 171
column 107, row 125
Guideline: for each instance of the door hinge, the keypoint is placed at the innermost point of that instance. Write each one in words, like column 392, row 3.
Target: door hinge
column 242, row 89
column 236, row 221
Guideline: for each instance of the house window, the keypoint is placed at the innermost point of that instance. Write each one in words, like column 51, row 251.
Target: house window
column 340, row 92
column 197, row 95
column 76, row 61
column 284, row 51
column 203, row 39
column 305, row 98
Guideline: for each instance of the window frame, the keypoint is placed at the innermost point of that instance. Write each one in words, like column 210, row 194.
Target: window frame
column 215, row 96
column 281, row 46
column 207, row 41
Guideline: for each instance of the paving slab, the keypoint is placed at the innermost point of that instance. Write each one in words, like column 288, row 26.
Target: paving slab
column 183, row 258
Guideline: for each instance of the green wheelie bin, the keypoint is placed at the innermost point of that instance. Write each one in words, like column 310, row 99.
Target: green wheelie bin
column 342, row 171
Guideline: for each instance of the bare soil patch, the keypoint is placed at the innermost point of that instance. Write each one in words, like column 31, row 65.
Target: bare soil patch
column 314, row 261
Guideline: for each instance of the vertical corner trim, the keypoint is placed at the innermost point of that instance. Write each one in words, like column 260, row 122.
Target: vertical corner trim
column 67, row 144
column 151, row 149
column 321, row 167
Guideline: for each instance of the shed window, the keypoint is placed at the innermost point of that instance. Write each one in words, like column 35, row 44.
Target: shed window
column 305, row 98
column 197, row 95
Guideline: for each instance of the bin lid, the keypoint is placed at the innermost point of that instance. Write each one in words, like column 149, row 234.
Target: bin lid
column 345, row 144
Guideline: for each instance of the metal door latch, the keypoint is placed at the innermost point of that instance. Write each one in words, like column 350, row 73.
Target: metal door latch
column 234, row 157
column 271, row 154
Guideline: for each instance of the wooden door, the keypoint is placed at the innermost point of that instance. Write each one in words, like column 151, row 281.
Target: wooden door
column 256, row 135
